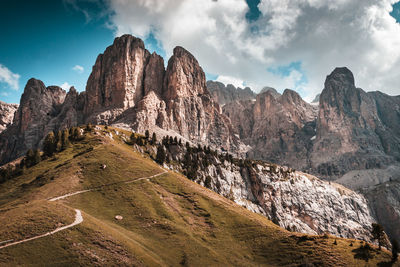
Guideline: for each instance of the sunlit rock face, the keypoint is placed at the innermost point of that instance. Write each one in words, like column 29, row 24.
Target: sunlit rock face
column 39, row 104
column 131, row 88
column 6, row 114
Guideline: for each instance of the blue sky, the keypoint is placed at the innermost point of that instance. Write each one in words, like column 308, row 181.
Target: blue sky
column 58, row 41
column 47, row 39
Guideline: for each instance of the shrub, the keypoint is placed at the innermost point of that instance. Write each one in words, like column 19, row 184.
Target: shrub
column 89, row 127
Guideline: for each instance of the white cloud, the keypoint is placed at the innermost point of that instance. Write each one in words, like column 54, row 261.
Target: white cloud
column 321, row 34
column 8, row 77
column 79, row 69
column 230, row 80
column 65, row 86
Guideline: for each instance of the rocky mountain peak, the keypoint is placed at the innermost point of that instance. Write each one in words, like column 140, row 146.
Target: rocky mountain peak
column 271, row 90
column 33, row 87
column 184, row 76
column 226, row 94
column 116, row 81
column 291, row 96
column 340, row 78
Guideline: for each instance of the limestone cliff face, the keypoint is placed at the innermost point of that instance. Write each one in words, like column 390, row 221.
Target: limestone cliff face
column 117, row 79
column 184, row 76
column 131, row 88
column 352, row 135
column 6, row 114
column 279, row 128
column 226, row 94
column 294, row 200
column 355, row 129
column 349, row 130
column 39, row 104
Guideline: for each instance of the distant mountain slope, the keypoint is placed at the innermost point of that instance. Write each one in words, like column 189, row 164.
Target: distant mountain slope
column 349, row 130
column 225, row 94
column 166, row 220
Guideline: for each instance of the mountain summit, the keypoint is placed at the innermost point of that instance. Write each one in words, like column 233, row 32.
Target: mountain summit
column 128, row 87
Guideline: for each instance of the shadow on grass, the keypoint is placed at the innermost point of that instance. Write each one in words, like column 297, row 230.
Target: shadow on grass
column 364, row 252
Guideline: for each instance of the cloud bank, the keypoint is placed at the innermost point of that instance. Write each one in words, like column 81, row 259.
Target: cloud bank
column 79, row 69
column 8, row 77
column 317, row 35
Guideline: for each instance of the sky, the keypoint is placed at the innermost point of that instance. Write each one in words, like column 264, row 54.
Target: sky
column 278, row 43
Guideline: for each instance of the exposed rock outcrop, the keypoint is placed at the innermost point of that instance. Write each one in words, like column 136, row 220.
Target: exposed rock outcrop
column 226, row 94
column 271, row 90
column 117, row 79
column 279, row 128
column 6, row 114
column 353, row 135
column 38, row 106
column 355, row 129
column 294, row 200
column 128, row 87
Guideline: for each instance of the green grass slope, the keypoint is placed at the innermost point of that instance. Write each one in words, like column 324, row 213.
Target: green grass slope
column 167, row 220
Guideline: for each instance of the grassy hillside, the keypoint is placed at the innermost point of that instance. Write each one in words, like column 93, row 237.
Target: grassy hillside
column 167, row 220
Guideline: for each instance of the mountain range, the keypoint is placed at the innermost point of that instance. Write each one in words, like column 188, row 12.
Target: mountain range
column 347, row 135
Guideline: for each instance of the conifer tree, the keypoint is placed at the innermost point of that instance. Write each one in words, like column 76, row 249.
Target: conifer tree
column 160, row 158
column 49, row 145
column 147, row 134
column 64, row 139
column 154, row 138
column 378, row 234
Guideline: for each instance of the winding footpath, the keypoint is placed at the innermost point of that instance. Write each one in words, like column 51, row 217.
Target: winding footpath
column 78, row 215
column 78, row 220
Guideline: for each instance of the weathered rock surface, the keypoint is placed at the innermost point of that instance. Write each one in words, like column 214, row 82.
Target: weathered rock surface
column 117, row 79
column 6, row 114
column 226, row 94
column 355, row 129
column 39, row 104
column 175, row 99
column 384, row 202
column 294, row 200
column 128, row 87
column 349, row 130
column 279, row 128
column 271, row 90
column 352, row 135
